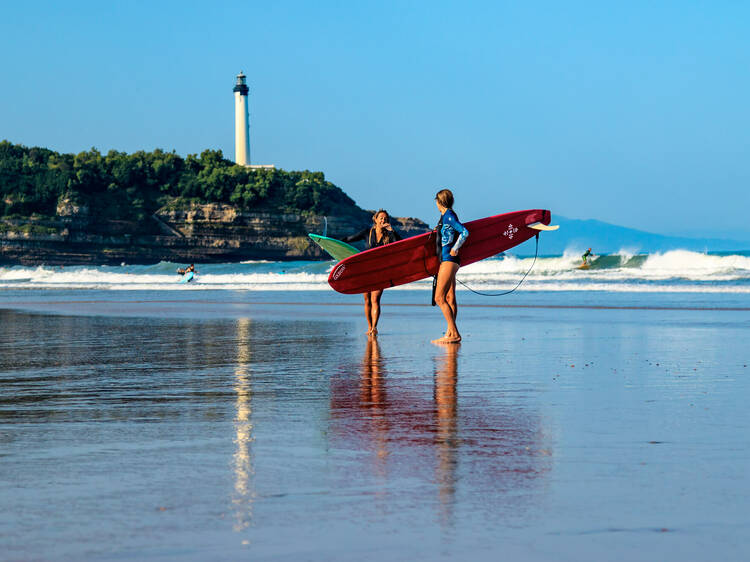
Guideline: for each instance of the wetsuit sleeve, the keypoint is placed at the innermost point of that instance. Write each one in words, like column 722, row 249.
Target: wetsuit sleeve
column 357, row 237
column 396, row 235
column 463, row 233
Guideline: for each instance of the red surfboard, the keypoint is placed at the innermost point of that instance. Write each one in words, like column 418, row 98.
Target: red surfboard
column 414, row 258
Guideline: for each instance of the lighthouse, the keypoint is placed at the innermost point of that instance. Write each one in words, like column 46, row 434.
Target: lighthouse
column 241, row 122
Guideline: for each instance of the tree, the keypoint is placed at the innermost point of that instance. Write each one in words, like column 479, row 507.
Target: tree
column 122, row 186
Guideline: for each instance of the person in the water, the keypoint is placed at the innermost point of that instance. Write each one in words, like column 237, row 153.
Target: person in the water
column 586, row 255
column 188, row 269
column 451, row 235
column 379, row 234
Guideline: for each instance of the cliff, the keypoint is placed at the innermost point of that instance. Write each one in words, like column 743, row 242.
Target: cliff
column 198, row 233
column 145, row 207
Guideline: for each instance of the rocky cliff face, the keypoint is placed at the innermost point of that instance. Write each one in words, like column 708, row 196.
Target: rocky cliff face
column 196, row 233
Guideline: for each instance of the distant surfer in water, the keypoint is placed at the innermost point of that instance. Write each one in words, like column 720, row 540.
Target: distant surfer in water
column 188, row 269
column 380, row 234
column 451, row 235
column 586, row 255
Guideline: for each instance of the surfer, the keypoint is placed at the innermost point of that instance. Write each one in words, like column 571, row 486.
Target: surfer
column 586, row 255
column 188, row 269
column 451, row 234
column 380, row 234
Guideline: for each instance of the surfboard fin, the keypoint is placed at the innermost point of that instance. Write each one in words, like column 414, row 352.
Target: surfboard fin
column 540, row 226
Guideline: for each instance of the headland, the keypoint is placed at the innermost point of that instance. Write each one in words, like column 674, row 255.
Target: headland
column 146, row 207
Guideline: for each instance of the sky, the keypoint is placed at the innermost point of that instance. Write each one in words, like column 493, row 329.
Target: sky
column 633, row 113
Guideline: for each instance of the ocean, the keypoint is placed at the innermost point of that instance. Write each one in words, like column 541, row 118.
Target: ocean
column 593, row 414
column 677, row 271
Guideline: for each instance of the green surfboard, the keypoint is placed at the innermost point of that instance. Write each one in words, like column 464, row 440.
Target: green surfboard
column 337, row 249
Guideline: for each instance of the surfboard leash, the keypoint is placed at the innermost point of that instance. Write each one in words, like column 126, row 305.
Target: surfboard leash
column 536, row 253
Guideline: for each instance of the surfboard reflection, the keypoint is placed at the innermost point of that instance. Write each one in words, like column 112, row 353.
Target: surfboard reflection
column 244, row 494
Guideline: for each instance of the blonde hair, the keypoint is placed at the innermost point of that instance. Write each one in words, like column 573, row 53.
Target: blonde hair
column 387, row 216
column 445, row 198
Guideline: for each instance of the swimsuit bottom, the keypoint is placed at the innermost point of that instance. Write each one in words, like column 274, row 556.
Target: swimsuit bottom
column 450, row 258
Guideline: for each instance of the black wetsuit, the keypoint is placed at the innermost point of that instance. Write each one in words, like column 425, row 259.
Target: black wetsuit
column 370, row 236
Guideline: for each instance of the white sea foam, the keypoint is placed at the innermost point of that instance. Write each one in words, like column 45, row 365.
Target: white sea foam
column 674, row 271
column 132, row 278
column 677, row 265
column 684, row 263
column 612, row 287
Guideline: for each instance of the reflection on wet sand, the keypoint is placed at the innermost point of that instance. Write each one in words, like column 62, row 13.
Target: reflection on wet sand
column 446, row 442
column 243, row 468
column 488, row 446
column 373, row 398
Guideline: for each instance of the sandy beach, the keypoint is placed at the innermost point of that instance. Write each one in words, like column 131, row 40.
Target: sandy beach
column 160, row 428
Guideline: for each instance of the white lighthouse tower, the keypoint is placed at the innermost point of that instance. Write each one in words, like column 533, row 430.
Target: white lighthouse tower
column 241, row 122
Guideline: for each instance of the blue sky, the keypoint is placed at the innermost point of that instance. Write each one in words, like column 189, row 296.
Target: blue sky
column 634, row 113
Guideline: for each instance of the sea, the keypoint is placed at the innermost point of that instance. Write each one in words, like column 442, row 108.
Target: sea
column 677, row 271
column 587, row 415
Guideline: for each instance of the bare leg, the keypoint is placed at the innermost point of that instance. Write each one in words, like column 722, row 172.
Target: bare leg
column 445, row 281
column 375, row 311
column 450, row 298
column 368, row 312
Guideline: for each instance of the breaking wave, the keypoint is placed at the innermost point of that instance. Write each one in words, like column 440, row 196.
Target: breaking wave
column 673, row 271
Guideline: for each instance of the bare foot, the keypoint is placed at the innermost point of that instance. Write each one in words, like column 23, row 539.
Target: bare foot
column 446, row 339
column 374, row 332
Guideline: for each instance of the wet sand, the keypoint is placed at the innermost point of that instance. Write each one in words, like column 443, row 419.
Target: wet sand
column 274, row 430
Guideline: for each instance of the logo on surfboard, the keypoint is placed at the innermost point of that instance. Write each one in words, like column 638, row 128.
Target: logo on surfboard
column 339, row 270
column 510, row 231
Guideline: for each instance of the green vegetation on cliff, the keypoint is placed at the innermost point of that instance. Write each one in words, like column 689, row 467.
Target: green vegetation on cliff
column 130, row 187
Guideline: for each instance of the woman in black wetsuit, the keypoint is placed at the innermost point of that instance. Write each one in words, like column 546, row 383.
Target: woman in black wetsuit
column 380, row 234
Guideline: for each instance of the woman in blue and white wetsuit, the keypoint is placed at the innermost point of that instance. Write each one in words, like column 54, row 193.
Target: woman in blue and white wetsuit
column 451, row 234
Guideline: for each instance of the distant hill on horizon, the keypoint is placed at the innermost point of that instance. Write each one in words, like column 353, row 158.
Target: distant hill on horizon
column 576, row 235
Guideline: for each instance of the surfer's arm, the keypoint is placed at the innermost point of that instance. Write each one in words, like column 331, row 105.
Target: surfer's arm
column 463, row 233
column 357, row 237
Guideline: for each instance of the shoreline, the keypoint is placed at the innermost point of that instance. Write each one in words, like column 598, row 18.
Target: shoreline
column 12, row 305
